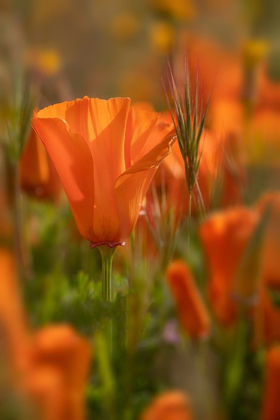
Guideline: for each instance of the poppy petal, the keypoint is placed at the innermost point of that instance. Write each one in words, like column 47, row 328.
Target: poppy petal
column 72, row 158
column 131, row 187
column 109, row 120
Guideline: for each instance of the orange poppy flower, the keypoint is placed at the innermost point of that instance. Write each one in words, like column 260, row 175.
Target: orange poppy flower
column 48, row 367
column 271, row 406
column 172, row 405
column 91, row 144
column 227, row 124
column 266, row 320
column 225, row 236
column 57, row 372
column 191, row 309
column 218, row 165
column 271, row 248
column 221, row 67
column 38, row 175
column 13, row 325
column 269, row 91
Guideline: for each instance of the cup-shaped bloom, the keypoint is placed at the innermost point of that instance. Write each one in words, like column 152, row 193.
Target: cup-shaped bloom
column 271, row 406
column 38, row 176
column 94, row 146
column 192, row 312
column 225, row 237
column 172, row 405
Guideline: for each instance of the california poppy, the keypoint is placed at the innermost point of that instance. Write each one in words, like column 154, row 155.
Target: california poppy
column 49, row 365
column 218, row 168
column 271, row 406
column 269, row 91
column 172, row 405
column 13, row 325
column 272, row 238
column 225, row 236
column 38, row 176
column 221, row 67
column 266, row 319
column 90, row 143
column 58, row 364
column 192, row 312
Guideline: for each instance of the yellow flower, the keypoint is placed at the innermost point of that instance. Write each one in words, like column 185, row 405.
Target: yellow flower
column 162, row 35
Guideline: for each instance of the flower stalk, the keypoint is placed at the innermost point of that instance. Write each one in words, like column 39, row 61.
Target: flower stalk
column 107, row 260
column 107, row 288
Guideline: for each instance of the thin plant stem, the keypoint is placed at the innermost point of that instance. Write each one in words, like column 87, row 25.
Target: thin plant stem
column 107, row 260
column 20, row 245
column 107, row 288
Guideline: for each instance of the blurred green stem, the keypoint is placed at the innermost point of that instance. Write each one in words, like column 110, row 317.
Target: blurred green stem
column 107, row 287
column 107, row 260
column 14, row 200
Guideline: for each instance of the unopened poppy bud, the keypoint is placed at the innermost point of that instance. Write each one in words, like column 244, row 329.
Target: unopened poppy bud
column 192, row 312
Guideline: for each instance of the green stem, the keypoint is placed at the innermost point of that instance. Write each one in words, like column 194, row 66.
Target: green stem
column 107, row 260
column 14, row 200
column 107, row 288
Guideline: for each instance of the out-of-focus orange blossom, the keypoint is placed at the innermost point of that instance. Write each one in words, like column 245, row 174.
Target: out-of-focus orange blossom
column 271, row 408
column 172, row 405
column 225, row 236
column 49, row 366
column 38, row 176
column 191, row 309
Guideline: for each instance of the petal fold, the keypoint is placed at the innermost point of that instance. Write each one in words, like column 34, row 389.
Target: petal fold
column 131, row 187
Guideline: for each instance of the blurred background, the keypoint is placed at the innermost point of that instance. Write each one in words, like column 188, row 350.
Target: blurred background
column 119, row 48
column 52, row 354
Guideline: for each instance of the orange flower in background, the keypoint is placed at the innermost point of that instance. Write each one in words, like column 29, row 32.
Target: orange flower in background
column 38, row 176
column 192, row 312
column 227, row 118
column 48, row 367
column 172, row 405
column 220, row 166
column 272, row 238
column 57, row 371
column 221, row 67
column 266, row 320
column 227, row 124
column 13, row 324
column 269, row 91
column 271, row 406
column 224, row 237
column 91, row 144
